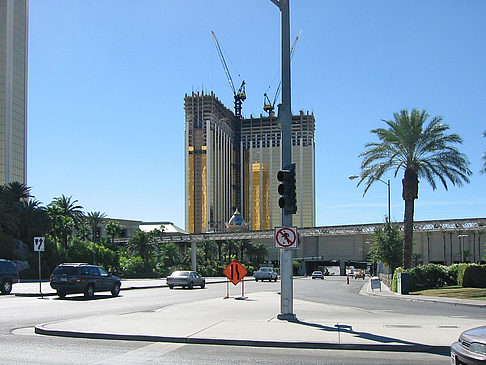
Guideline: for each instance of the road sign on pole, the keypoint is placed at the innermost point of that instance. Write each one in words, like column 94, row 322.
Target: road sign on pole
column 39, row 244
column 286, row 237
column 235, row 272
column 39, row 247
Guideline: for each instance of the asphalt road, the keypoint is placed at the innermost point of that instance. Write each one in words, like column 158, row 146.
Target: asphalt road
column 19, row 345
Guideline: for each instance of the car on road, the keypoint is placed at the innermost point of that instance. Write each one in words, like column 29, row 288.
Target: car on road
column 186, row 279
column 470, row 347
column 74, row 278
column 265, row 273
column 317, row 275
column 8, row 276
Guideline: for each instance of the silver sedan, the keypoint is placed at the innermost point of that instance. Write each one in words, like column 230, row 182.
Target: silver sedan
column 188, row 279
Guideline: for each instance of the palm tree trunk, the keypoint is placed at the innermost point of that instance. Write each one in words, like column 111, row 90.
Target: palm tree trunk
column 409, row 194
column 408, row 234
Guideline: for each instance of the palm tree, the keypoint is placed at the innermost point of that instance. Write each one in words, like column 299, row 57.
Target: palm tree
column 67, row 215
column 95, row 219
column 421, row 151
column 261, row 252
column 18, row 190
column 142, row 244
column 34, row 220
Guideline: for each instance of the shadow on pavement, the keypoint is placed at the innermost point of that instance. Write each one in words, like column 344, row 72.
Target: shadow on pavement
column 381, row 343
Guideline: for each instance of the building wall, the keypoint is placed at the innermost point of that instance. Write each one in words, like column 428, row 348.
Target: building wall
column 262, row 160
column 13, row 90
column 214, row 188
column 209, row 163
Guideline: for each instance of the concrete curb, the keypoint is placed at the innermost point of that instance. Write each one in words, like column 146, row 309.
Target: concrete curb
column 438, row 350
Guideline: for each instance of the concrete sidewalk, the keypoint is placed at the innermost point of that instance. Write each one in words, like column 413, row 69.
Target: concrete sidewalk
column 253, row 322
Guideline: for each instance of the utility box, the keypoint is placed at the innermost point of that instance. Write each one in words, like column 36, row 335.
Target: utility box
column 403, row 283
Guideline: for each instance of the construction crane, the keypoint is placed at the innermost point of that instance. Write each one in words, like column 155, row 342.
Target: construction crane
column 268, row 105
column 239, row 95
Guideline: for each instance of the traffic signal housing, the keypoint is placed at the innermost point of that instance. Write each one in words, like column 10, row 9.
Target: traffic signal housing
column 286, row 189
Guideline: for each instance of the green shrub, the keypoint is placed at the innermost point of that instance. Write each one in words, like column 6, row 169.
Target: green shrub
column 427, row 277
column 394, row 284
column 460, row 274
column 474, row 276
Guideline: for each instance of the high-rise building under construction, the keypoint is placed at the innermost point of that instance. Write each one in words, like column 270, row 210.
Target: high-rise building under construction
column 232, row 164
column 13, row 90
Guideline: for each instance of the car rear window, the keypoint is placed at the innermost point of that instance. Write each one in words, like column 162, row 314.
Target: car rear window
column 8, row 267
column 65, row 270
column 181, row 273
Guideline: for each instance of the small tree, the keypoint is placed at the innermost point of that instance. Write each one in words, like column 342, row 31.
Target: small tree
column 386, row 246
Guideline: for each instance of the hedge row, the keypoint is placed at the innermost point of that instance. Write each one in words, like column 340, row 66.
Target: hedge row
column 435, row 276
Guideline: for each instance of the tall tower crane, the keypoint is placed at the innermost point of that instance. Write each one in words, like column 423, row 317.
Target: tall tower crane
column 239, row 95
column 268, row 105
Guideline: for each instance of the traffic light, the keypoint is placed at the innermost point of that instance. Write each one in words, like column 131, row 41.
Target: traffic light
column 286, row 189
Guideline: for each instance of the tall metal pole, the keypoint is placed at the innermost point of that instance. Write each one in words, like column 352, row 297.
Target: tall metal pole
column 389, row 216
column 285, row 121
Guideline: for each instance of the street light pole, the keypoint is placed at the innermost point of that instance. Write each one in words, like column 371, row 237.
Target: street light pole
column 387, row 183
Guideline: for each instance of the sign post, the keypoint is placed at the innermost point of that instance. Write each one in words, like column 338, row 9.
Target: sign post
column 39, row 247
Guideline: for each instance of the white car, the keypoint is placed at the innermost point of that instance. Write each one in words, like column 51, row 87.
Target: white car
column 265, row 273
column 317, row 275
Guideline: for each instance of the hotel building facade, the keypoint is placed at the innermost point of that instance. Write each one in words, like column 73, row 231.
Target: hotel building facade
column 233, row 165
column 13, row 90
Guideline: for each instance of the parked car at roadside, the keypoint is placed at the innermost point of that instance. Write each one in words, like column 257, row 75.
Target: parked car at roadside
column 470, row 347
column 317, row 275
column 188, row 279
column 265, row 273
column 8, row 276
column 83, row 278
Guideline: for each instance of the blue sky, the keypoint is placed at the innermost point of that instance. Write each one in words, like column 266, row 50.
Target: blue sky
column 107, row 81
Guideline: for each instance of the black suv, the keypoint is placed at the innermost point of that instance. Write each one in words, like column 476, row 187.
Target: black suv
column 83, row 278
column 8, row 276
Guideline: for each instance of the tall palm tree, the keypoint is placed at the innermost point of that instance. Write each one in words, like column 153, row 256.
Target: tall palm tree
column 95, row 219
column 421, row 151
column 69, row 208
column 34, row 220
column 67, row 215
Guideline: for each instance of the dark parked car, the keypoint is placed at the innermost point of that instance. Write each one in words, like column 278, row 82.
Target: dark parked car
column 8, row 276
column 83, row 278
column 188, row 279
column 470, row 348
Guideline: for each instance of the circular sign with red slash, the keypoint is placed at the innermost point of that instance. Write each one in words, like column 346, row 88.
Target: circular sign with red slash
column 286, row 237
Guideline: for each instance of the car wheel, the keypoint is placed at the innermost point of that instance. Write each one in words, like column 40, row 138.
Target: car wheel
column 115, row 290
column 89, row 291
column 171, row 286
column 203, row 285
column 61, row 294
column 275, row 279
column 256, row 279
column 6, row 287
column 190, row 286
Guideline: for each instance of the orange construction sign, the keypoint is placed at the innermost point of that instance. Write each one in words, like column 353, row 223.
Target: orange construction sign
column 235, row 272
